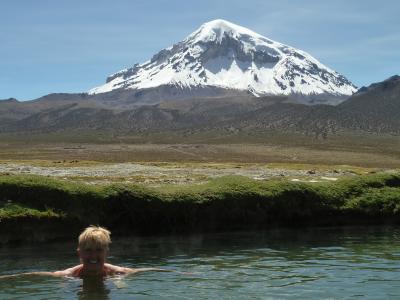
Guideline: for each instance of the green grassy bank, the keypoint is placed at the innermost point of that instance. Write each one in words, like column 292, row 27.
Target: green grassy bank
column 43, row 208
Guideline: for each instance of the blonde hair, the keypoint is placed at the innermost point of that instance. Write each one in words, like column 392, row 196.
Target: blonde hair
column 94, row 236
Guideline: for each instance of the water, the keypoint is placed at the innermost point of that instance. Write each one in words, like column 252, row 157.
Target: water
column 351, row 263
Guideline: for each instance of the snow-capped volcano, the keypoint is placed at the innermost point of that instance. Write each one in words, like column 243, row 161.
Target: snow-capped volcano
column 223, row 55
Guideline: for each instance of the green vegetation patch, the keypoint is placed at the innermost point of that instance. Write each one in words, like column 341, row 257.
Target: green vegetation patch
column 231, row 202
column 16, row 211
column 381, row 201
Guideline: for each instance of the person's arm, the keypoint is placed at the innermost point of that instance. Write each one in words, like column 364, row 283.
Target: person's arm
column 58, row 273
column 66, row 272
column 124, row 270
column 139, row 270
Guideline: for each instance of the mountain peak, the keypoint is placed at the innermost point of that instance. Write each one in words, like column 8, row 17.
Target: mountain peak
column 387, row 84
column 225, row 56
column 216, row 29
column 223, row 24
column 393, row 78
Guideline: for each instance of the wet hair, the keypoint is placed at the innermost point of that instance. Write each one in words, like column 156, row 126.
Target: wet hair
column 94, row 237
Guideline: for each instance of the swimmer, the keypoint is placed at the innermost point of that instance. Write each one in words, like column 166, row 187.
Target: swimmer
column 93, row 246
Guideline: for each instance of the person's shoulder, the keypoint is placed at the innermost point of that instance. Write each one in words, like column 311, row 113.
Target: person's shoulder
column 113, row 269
column 73, row 271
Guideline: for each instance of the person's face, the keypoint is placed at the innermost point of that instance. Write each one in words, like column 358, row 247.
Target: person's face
column 92, row 257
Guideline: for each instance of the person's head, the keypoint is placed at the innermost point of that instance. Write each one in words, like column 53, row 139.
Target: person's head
column 93, row 246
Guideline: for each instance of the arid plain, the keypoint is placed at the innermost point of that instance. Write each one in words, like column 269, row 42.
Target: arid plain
column 149, row 163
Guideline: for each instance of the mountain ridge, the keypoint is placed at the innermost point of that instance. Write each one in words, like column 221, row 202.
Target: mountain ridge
column 375, row 110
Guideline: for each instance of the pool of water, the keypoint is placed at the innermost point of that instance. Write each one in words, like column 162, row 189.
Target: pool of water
column 323, row 263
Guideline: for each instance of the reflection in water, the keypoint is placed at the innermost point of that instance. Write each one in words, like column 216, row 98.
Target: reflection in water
column 93, row 287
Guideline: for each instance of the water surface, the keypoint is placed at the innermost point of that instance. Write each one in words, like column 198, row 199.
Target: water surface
column 323, row 263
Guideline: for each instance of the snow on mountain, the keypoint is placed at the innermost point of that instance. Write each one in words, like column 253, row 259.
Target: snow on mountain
column 224, row 55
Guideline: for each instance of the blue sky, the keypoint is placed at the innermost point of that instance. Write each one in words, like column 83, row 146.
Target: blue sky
column 71, row 46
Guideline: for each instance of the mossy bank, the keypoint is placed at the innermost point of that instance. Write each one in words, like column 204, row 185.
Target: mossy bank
column 36, row 208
